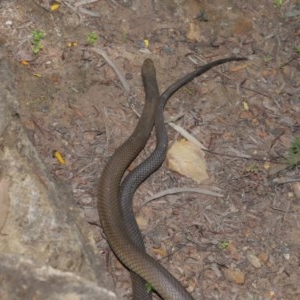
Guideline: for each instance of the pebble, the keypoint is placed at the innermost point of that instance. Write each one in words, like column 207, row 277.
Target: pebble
column 254, row 261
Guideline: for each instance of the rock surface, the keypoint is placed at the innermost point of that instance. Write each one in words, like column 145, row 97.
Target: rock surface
column 46, row 249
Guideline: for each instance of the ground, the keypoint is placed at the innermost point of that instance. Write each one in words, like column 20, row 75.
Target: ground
column 244, row 245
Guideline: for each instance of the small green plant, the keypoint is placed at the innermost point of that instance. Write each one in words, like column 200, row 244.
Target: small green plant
column 252, row 168
column 149, row 288
column 124, row 37
column 293, row 157
column 92, row 38
column 224, row 245
column 277, row 3
column 36, row 41
column 298, row 49
column 267, row 59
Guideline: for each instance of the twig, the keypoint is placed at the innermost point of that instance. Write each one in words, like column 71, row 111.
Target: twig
column 85, row 167
column 106, row 127
column 257, row 92
column 73, row 9
column 76, row 8
column 108, row 60
column 187, row 135
column 182, row 190
column 283, row 180
column 196, row 60
column 88, row 12
column 244, row 156
column 83, row 2
column 179, row 129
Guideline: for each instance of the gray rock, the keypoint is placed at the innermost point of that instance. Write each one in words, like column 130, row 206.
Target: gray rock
column 24, row 279
column 46, row 248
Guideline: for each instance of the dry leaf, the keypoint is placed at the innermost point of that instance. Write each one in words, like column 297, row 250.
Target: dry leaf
column 4, row 201
column 161, row 252
column 246, row 115
column 276, row 168
column 55, row 6
column 59, row 157
column 296, row 189
column 187, row 159
column 142, row 221
column 233, row 251
column 235, row 275
column 194, row 32
column 238, row 67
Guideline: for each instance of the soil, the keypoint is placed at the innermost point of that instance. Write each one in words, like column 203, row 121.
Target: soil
column 244, row 245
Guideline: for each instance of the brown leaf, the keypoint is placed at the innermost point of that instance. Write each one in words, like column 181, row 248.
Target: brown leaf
column 161, row 252
column 194, row 32
column 238, row 67
column 246, row 115
column 233, row 251
column 187, row 158
column 235, row 275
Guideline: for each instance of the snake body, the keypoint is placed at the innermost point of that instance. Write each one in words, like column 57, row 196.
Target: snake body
column 115, row 196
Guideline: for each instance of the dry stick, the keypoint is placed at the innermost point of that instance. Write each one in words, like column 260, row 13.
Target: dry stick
column 187, row 135
column 248, row 157
column 106, row 128
column 88, row 12
column 85, row 167
column 205, row 62
column 108, row 60
column 180, row 130
column 182, row 190
column 73, row 9
column 77, row 9
column 285, row 179
column 83, row 2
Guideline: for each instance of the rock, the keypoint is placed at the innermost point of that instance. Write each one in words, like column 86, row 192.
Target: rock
column 46, row 248
column 22, row 278
column 254, row 261
column 6, row 88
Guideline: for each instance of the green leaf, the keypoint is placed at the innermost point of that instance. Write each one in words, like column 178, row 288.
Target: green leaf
column 293, row 156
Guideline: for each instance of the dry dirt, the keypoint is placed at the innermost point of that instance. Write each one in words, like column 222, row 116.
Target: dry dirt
column 244, row 245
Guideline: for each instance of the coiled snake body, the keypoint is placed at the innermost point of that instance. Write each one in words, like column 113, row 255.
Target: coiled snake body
column 115, row 196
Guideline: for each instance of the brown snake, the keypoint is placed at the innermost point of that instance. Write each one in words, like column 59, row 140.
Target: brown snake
column 115, row 197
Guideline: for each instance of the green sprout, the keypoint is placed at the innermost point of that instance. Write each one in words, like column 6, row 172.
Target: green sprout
column 36, row 41
column 267, row 59
column 149, row 288
column 293, row 156
column 298, row 49
column 252, row 168
column 124, row 37
column 92, row 38
column 277, row 3
column 224, row 244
